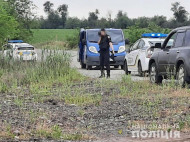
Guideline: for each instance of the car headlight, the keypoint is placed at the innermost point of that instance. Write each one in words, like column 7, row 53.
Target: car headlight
column 121, row 49
column 93, row 49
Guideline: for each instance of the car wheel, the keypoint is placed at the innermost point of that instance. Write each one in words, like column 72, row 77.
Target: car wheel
column 126, row 69
column 181, row 75
column 140, row 72
column 88, row 67
column 153, row 73
column 83, row 66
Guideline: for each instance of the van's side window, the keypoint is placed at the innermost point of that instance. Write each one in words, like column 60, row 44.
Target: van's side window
column 187, row 38
column 179, row 39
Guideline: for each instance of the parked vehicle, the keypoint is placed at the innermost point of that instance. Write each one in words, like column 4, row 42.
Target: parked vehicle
column 21, row 51
column 25, row 52
column 138, row 55
column 173, row 58
column 12, row 44
column 88, row 53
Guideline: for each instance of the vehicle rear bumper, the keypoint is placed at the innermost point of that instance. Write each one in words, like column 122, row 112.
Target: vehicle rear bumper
column 95, row 61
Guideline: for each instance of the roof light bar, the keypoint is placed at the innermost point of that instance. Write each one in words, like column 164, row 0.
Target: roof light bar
column 15, row 41
column 154, row 35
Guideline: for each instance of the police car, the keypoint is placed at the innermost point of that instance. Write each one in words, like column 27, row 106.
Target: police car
column 25, row 52
column 19, row 50
column 12, row 44
column 139, row 53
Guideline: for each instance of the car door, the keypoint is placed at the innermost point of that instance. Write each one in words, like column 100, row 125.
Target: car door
column 163, row 55
column 173, row 53
column 130, row 57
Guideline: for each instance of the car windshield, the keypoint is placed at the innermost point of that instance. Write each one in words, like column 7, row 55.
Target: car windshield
column 26, row 48
column 116, row 36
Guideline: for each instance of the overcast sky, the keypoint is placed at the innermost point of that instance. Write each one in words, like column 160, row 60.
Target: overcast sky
column 134, row 8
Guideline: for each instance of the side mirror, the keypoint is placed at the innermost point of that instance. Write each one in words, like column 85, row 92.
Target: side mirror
column 83, row 41
column 127, row 42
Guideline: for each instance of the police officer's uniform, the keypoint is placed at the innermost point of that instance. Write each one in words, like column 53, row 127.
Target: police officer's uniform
column 105, row 54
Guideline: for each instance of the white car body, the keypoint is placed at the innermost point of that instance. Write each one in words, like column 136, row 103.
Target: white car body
column 25, row 52
column 140, row 54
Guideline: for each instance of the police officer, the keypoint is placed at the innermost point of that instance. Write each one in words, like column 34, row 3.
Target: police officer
column 105, row 43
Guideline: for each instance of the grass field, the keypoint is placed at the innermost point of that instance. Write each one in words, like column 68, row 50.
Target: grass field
column 47, row 35
column 55, row 38
column 52, row 38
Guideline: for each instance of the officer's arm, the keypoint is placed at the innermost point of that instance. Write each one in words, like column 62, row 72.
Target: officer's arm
column 111, row 45
column 99, row 41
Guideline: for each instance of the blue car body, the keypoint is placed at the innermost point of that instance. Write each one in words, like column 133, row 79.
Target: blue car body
column 88, row 58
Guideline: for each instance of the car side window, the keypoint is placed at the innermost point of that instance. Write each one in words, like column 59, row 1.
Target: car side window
column 179, row 39
column 141, row 44
column 170, row 42
column 135, row 46
column 187, row 38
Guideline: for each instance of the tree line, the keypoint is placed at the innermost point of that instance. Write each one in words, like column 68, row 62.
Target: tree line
column 17, row 20
column 59, row 19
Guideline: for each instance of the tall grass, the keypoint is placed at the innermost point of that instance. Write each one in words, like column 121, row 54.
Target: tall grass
column 54, row 65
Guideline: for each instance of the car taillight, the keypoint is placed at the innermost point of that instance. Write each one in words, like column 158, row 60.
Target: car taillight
column 149, row 53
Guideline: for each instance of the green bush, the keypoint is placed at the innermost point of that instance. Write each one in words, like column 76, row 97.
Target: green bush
column 134, row 33
column 72, row 40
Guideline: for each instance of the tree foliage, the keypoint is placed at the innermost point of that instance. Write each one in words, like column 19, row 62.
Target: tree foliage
column 48, row 6
column 135, row 32
column 121, row 21
column 15, row 19
column 63, row 10
column 9, row 25
column 179, row 12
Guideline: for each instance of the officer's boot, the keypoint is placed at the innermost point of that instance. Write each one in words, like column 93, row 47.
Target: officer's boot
column 102, row 74
column 108, row 73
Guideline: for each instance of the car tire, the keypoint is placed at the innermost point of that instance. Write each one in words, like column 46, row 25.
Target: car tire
column 88, row 67
column 153, row 74
column 83, row 66
column 126, row 69
column 140, row 72
column 181, row 75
